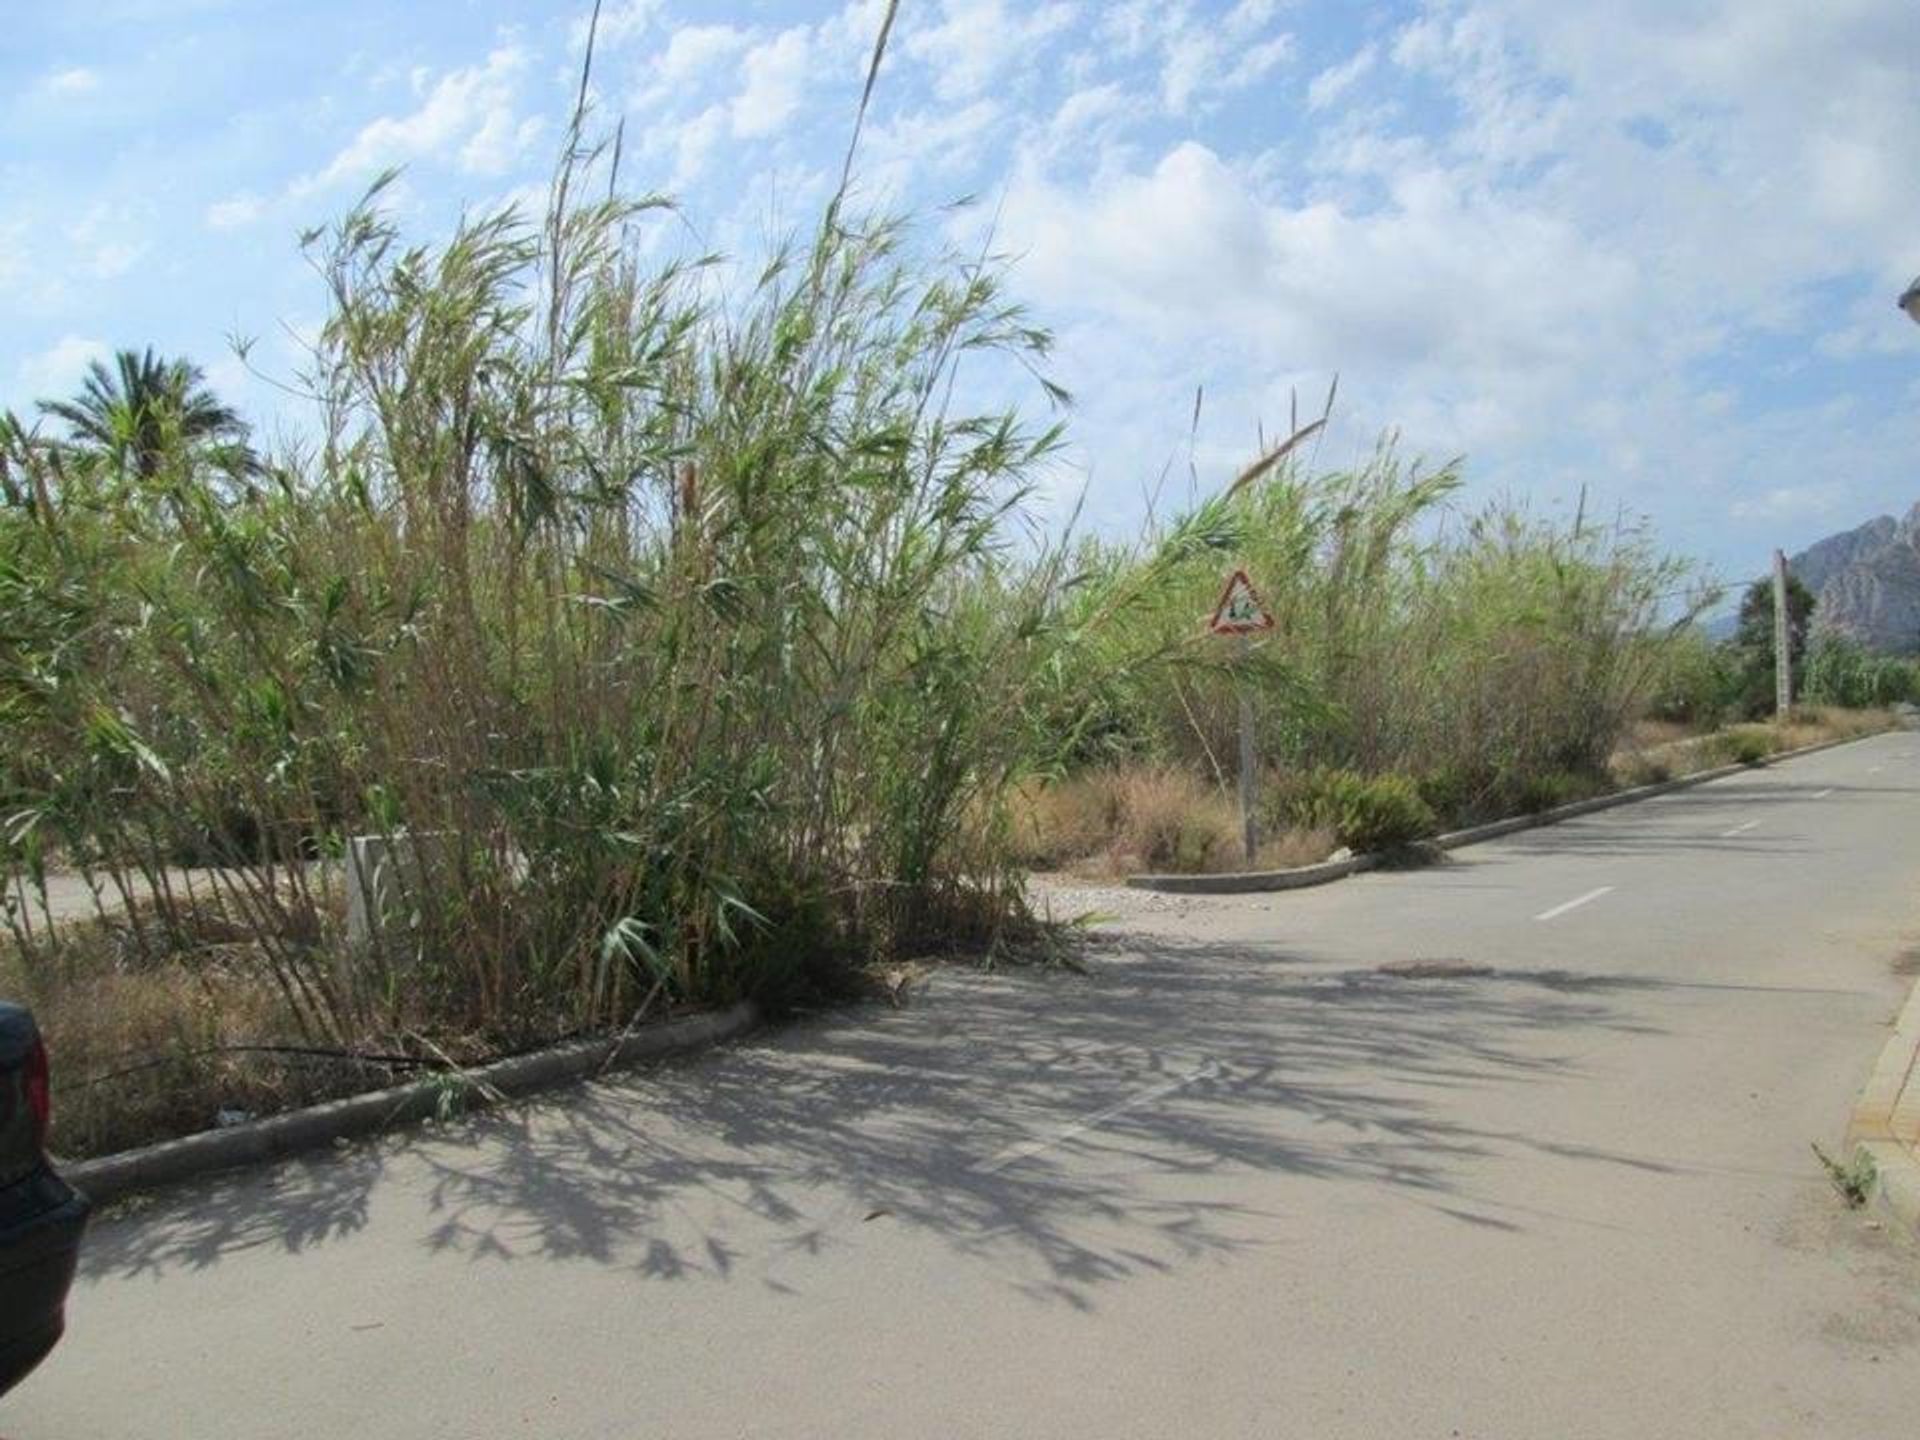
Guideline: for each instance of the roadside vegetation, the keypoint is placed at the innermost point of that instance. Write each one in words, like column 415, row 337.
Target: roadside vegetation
column 1470, row 671
column 691, row 630
column 680, row 638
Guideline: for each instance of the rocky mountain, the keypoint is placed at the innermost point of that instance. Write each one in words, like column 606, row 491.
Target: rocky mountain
column 1867, row 582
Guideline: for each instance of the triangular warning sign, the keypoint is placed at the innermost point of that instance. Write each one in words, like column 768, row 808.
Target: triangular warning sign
column 1240, row 611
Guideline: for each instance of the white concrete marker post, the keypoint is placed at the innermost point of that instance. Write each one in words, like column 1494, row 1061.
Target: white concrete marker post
column 1241, row 615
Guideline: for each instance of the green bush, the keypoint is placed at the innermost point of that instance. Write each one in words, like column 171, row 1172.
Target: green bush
column 1841, row 672
column 1750, row 654
column 1365, row 812
column 1743, row 745
column 1698, row 683
column 1554, row 788
column 1450, row 792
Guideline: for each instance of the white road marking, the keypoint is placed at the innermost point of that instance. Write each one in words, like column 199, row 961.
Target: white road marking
column 1875, row 769
column 1824, row 793
column 1738, row 830
column 1014, row 1154
column 1574, row 903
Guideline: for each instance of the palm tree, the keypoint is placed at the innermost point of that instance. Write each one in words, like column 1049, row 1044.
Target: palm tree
column 143, row 409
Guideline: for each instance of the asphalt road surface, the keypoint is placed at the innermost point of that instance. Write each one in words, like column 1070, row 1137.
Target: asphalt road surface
column 1236, row 1182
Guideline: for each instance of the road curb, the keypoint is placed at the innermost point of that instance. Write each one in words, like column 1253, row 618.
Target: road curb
column 1885, row 1126
column 1241, row 882
column 109, row 1177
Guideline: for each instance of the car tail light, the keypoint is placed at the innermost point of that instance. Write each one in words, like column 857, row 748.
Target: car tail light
column 39, row 1093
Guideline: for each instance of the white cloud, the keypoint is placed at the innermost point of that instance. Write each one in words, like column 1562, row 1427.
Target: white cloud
column 773, row 80
column 59, row 369
column 981, row 43
column 847, row 36
column 236, row 211
column 107, row 241
column 691, row 54
column 1249, row 17
column 110, row 259
column 693, row 141
column 13, row 252
column 1333, row 83
column 620, row 24
column 925, row 143
column 1628, row 206
column 1784, row 502
column 467, row 118
column 1084, row 115
column 1436, row 279
column 500, row 142
column 76, row 80
column 1204, row 57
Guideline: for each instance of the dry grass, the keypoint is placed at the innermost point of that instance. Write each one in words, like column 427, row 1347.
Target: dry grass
column 1813, row 725
column 1124, row 820
column 1655, row 752
column 1291, row 849
column 146, row 1047
column 1645, row 735
column 138, row 1047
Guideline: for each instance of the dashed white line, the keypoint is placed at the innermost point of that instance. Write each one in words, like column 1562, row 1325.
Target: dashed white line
column 1875, row 769
column 1014, row 1154
column 1821, row 795
column 1738, row 830
column 1574, row 903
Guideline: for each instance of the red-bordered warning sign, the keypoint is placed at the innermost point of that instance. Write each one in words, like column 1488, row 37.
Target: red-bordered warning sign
column 1240, row 611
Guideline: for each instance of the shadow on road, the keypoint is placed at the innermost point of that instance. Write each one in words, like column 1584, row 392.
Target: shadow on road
column 751, row 1157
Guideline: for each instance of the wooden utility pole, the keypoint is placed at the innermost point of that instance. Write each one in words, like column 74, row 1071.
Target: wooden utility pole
column 1782, row 649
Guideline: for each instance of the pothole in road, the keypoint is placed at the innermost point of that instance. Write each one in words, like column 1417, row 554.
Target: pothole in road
column 1437, row 969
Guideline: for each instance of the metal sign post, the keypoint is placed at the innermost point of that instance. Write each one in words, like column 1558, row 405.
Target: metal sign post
column 1241, row 614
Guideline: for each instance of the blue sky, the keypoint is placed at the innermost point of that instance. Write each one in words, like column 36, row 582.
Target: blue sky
column 1649, row 247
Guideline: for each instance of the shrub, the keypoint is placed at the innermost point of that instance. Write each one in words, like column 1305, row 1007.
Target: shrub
column 1124, row 818
column 1751, row 651
column 1744, row 745
column 1365, row 812
column 1454, row 793
column 1554, row 788
column 1052, row 823
column 1638, row 768
column 1171, row 820
column 691, row 614
column 1841, row 672
column 1698, row 684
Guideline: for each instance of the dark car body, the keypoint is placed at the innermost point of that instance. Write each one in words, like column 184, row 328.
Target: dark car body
column 41, row 1217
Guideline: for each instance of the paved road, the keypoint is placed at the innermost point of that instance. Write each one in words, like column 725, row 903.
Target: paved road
column 1236, row 1183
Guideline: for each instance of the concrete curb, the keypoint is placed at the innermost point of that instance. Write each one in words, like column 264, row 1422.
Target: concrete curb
column 1886, row 1118
column 108, row 1177
column 1240, row 882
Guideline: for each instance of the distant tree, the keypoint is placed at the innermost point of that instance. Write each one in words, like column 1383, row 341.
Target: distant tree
column 145, row 408
column 1753, row 640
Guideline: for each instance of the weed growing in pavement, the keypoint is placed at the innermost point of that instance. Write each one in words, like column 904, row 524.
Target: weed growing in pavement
column 1853, row 1179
